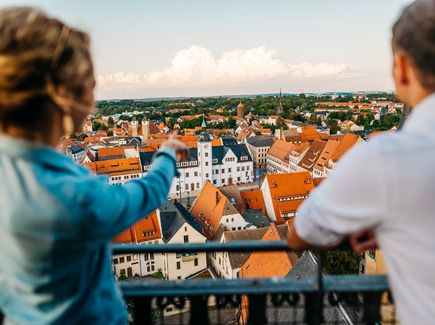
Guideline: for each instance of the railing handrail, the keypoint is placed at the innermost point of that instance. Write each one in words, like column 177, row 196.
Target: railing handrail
column 200, row 287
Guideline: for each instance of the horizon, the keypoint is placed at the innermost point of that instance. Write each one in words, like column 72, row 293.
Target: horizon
column 171, row 49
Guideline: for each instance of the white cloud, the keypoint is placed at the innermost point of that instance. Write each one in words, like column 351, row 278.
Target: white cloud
column 199, row 67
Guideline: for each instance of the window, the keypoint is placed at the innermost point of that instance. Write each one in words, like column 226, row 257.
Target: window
column 129, row 258
column 186, row 238
column 196, row 173
column 223, row 170
column 178, row 265
column 223, row 180
column 178, row 187
column 206, row 163
column 197, row 185
column 151, row 256
column 214, row 182
column 238, row 169
column 185, row 228
column 206, row 175
column 229, row 170
column 152, row 267
column 179, row 277
column 238, row 179
column 195, row 263
column 121, row 260
column 206, row 154
column 148, row 269
column 145, row 257
column 186, row 187
column 187, row 174
column 115, row 261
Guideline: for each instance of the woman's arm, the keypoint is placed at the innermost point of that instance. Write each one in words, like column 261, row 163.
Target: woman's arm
column 112, row 209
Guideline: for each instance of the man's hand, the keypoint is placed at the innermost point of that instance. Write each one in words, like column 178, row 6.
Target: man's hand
column 179, row 147
column 363, row 240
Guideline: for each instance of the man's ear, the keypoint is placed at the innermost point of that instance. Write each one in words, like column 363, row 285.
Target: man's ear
column 401, row 68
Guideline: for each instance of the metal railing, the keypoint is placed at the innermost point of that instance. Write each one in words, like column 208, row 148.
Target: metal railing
column 318, row 299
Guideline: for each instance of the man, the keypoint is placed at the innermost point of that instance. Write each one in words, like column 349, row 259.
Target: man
column 387, row 186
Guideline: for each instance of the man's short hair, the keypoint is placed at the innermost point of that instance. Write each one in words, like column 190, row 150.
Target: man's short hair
column 414, row 34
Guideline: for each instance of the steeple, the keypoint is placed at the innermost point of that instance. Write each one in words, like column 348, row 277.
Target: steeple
column 280, row 109
column 203, row 125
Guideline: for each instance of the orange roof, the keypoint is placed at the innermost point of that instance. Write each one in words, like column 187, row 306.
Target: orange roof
column 145, row 229
column 270, row 264
column 298, row 148
column 240, row 105
column 191, row 141
column 266, row 264
column 216, row 142
column 312, row 155
column 288, row 191
column 326, row 154
column 347, row 142
column 375, row 133
column 113, row 151
column 280, row 149
column 146, row 149
column 115, row 167
column 209, row 208
column 253, row 199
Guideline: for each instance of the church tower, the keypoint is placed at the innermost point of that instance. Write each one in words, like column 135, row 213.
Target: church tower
column 134, row 127
column 280, row 110
column 205, row 154
column 241, row 110
column 145, row 130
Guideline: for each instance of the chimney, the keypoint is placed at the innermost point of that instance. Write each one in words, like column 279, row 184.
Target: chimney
column 217, row 197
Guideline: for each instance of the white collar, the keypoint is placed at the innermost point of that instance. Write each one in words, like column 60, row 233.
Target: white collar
column 422, row 114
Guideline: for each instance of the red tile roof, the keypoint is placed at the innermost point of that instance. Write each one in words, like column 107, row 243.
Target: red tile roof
column 145, row 229
column 115, row 167
column 209, row 208
column 288, row 191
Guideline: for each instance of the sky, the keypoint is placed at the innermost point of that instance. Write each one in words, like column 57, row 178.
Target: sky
column 170, row 48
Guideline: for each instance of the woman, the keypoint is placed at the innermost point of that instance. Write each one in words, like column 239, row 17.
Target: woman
column 56, row 219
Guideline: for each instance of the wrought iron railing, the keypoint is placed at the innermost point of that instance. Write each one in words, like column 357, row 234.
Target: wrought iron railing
column 316, row 299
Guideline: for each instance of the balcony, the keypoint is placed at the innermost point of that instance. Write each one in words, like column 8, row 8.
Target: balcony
column 314, row 299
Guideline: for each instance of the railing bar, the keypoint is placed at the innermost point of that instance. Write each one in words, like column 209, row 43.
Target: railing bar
column 338, row 283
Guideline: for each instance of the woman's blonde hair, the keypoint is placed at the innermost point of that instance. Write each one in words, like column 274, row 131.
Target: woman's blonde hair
column 38, row 54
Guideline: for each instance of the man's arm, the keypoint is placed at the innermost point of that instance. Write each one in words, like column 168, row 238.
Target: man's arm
column 352, row 199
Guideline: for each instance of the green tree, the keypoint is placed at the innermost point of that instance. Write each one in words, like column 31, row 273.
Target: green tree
column 280, row 124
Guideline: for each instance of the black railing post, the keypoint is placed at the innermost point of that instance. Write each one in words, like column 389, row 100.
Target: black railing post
column 199, row 311
column 372, row 307
column 314, row 301
column 257, row 310
column 142, row 311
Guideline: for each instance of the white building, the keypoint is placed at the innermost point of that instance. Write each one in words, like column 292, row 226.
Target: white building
column 221, row 165
column 178, row 227
column 212, row 208
column 146, row 231
column 227, row 265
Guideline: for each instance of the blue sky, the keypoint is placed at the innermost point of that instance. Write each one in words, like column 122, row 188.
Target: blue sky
column 198, row 47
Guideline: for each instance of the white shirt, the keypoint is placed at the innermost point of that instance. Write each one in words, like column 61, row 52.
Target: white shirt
column 387, row 184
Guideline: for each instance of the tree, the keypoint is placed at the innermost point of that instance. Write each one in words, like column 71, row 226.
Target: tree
column 280, row 124
column 110, row 121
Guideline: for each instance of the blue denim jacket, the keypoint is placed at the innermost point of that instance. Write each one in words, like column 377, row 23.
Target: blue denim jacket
column 56, row 220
